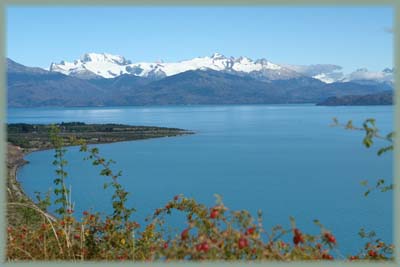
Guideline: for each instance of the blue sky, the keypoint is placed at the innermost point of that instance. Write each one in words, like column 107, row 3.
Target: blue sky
column 351, row 37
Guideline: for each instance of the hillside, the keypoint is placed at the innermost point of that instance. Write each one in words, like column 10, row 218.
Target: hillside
column 384, row 98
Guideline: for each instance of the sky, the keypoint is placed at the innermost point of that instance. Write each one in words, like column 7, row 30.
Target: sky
column 352, row 37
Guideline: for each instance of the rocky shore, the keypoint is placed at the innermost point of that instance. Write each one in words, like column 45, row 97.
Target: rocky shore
column 15, row 160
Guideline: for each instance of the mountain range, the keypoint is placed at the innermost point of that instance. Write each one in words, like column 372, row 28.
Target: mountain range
column 104, row 65
column 105, row 80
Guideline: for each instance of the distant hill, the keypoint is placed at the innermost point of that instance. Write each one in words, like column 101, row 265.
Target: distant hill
column 35, row 87
column 383, row 98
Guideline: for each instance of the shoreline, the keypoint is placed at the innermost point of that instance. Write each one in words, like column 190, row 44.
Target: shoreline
column 15, row 159
column 12, row 170
column 15, row 194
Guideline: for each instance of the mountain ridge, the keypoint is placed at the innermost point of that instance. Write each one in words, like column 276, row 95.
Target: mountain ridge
column 92, row 65
column 33, row 87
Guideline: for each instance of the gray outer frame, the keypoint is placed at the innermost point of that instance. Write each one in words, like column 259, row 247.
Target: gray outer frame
column 3, row 115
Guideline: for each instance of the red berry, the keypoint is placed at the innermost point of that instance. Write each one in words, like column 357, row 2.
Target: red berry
column 327, row 256
column 85, row 213
column 214, row 213
column 185, row 234
column 205, row 247
column 242, row 243
column 77, row 236
column 176, row 197
column 250, row 231
column 372, row 253
column 298, row 237
column 330, row 238
column 165, row 245
column 352, row 258
column 198, row 247
column 202, row 247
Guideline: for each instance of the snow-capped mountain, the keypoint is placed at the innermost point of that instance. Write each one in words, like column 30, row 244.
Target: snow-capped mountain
column 111, row 66
column 94, row 65
column 91, row 65
column 33, row 87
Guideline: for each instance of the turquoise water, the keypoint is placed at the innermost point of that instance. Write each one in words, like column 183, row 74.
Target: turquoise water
column 283, row 159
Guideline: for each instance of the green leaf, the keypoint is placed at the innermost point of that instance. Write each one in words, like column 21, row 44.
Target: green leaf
column 385, row 149
column 105, row 172
column 380, row 182
column 367, row 142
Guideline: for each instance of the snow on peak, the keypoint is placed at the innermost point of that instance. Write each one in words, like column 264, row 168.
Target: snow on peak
column 325, row 77
column 110, row 66
column 93, row 64
column 104, row 57
column 217, row 55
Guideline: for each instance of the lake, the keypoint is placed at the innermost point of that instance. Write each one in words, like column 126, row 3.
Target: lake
column 283, row 159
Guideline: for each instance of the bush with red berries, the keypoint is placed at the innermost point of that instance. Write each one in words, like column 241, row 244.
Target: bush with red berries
column 234, row 235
